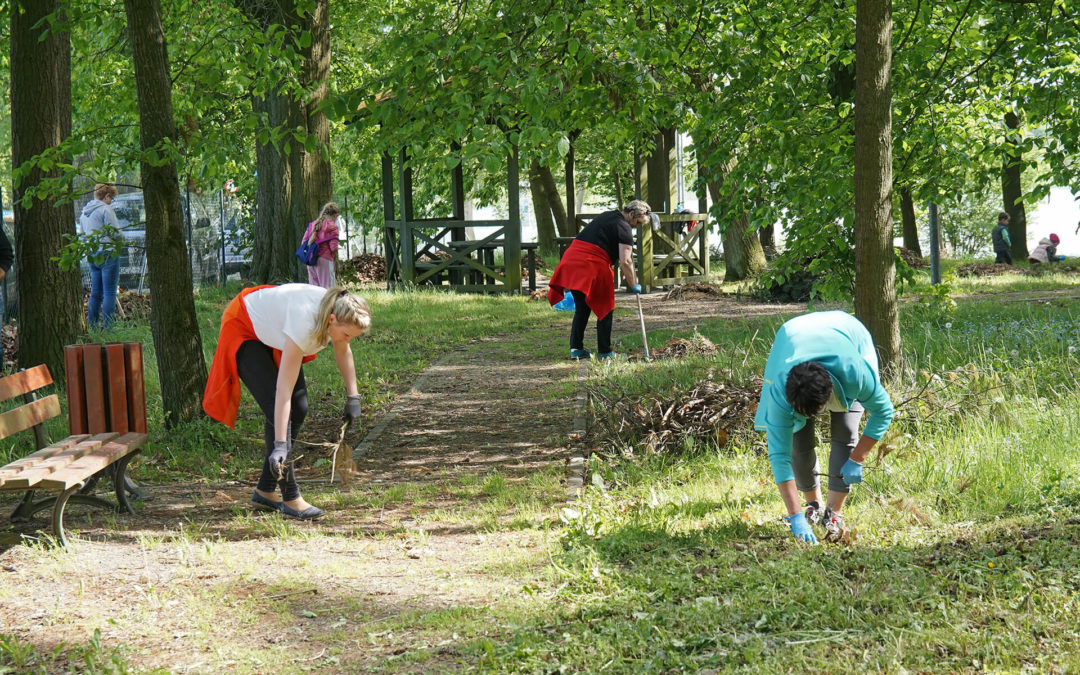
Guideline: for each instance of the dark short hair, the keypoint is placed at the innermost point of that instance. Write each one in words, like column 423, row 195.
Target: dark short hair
column 808, row 387
column 1003, row 216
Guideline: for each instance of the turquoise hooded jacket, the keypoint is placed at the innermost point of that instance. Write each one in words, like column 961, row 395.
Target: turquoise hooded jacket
column 840, row 343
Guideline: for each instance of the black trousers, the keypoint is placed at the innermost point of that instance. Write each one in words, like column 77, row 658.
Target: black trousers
column 1003, row 257
column 581, row 320
column 255, row 364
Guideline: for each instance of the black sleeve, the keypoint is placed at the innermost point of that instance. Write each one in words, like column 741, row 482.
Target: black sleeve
column 7, row 254
column 626, row 235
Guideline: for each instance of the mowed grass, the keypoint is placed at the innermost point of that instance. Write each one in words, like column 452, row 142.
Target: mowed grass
column 966, row 545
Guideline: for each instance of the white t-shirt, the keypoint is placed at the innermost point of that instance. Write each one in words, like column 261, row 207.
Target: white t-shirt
column 286, row 311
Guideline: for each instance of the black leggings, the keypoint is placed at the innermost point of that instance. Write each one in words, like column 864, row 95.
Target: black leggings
column 255, row 364
column 581, row 320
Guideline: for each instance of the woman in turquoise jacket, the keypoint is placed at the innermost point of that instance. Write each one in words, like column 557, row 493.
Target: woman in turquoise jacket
column 820, row 361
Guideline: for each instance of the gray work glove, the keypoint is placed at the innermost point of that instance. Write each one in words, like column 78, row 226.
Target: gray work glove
column 278, row 456
column 352, row 408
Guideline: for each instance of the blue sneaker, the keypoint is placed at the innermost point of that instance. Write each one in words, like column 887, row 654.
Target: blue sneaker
column 611, row 355
column 580, row 354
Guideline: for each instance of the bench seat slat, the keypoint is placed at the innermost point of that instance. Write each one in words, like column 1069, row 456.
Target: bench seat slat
column 45, row 453
column 33, row 474
column 95, row 461
column 26, row 416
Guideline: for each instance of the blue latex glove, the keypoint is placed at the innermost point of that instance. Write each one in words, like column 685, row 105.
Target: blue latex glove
column 800, row 527
column 851, row 472
column 636, row 288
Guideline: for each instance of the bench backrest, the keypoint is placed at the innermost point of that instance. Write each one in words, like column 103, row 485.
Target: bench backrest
column 105, row 388
column 34, row 411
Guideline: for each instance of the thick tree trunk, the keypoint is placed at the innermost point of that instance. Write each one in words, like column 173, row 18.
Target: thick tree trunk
column 293, row 183
column 177, row 343
column 49, row 299
column 545, row 226
column 314, row 188
column 907, row 217
column 555, row 203
column 744, row 257
column 272, row 254
column 1011, row 190
column 875, row 267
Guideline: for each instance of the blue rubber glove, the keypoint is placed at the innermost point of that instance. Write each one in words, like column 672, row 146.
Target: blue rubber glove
column 636, row 288
column 800, row 527
column 851, row 472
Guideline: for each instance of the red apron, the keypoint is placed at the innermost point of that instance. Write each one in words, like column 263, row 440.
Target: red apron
column 585, row 267
column 221, row 399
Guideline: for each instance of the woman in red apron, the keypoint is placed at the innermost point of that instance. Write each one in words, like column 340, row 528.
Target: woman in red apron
column 267, row 332
column 585, row 270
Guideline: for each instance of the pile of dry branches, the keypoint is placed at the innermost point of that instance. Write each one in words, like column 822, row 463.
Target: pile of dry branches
column 129, row 304
column 363, row 267
column 697, row 345
column 710, row 412
column 693, row 291
column 912, row 258
column 9, row 335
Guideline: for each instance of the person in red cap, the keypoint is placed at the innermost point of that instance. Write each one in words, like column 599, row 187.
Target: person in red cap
column 585, row 270
column 1046, row 251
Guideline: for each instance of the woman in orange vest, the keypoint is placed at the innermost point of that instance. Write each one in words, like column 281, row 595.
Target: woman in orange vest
column 267, row 333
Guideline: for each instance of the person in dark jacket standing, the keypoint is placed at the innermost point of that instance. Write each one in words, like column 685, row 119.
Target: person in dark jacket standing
column 1002, row 243
column 585, row 270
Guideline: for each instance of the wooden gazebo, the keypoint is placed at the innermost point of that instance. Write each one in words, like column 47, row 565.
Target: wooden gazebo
column 436, row 251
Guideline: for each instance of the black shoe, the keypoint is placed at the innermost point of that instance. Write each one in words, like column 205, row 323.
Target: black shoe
column 263, row 503
column 310, row 513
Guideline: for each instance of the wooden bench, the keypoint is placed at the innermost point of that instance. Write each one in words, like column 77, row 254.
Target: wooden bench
column 106, row 420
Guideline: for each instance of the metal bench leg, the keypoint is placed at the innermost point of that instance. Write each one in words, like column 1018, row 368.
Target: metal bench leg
column 120, row 485
column 24, row 510
column 58, row 513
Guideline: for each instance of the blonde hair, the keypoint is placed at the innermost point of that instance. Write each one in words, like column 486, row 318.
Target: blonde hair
column 347, row 308
column 329, row 210
column 103, row 190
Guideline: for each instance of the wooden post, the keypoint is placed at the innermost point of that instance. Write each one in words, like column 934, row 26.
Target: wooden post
column 389, row 238
column 646, row 274
column 512, row 252
column 571, row 191
column 407, row 248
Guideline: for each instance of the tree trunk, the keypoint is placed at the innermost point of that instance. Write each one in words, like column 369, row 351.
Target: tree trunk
column 558, row 208
column 177, row 343
column 545, row 226
column 272, row 254
column 314, row 187
column 875, row 266
column 907, row 217
column 744, row 257
column 1011, row 191
column 619, row 198
column 293, row 183
column 49, row 299
column 767, row 237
